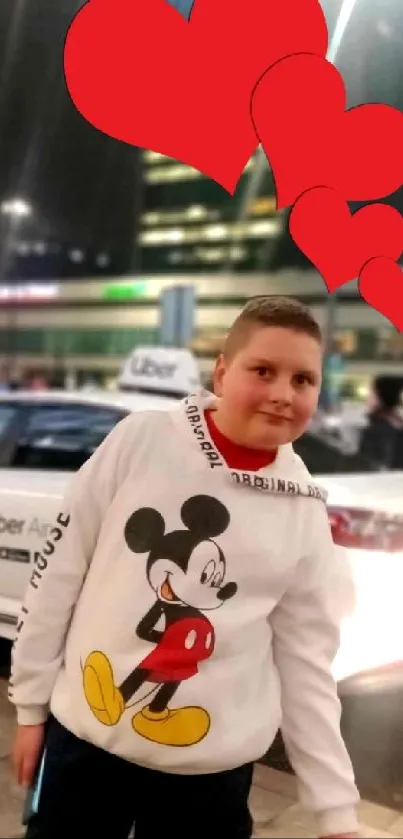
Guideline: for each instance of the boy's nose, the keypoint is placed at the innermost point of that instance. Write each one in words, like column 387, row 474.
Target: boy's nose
column 280, row 393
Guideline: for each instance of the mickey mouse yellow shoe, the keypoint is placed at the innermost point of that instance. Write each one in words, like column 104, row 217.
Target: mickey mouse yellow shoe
column 105, row 700
column 181, row 727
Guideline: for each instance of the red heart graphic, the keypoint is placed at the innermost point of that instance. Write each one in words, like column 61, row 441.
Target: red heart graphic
column 138, row 71
column 381, row 285
column 339, row 243
column 298, row 109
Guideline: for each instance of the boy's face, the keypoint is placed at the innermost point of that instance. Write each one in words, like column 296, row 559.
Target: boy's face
column 270, row 388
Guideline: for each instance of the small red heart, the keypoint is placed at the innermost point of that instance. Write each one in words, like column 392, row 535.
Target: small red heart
column 381, row 285
column 138, row 71
column 339, row 243
column 298, row 109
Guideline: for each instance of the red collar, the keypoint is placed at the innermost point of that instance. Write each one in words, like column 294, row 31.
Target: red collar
column 238, row 457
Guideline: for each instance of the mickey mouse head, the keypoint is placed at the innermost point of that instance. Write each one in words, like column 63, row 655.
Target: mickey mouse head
column 185, row 567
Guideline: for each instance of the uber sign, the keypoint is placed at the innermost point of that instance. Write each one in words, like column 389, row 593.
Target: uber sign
column 145, row 366
column 11, row 526
column 160, row 370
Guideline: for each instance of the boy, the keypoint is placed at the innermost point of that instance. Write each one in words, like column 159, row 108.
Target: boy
column 185, row 605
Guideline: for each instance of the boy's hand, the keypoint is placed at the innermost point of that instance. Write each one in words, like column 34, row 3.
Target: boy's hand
column 27, row 749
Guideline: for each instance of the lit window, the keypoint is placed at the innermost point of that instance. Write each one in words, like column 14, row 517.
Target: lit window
column 216, row 231
column 76, row 255
column 153, row 157
column 196, row 212
column 265, row 227
column 238, row 253
column 102, row 260
column 264, row 204
column 210, row 254
column 23, row 248
column 175, row 235
column 211, row 232
column 161, row 237
column 178, row 172
column 175, row 257
column 151, row 218
column 179, row 216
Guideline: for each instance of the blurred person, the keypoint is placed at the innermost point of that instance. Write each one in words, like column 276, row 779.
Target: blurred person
column 38, row 382
column 381, row 441
column 191, row 606
column 333, row 367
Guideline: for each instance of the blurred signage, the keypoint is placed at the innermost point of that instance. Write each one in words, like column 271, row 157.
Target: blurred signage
column 124, row 291
column 165, row 370
column 31, row 293
column 177, row 315
column 263, row 204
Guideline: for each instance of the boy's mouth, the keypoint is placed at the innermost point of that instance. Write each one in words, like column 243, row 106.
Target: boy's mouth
column 276, row 419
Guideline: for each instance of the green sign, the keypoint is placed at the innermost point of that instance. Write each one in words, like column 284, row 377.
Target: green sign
column 124, row 291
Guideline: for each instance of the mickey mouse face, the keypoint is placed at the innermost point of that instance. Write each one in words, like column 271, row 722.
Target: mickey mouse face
column 200, row 586
column 185, row 566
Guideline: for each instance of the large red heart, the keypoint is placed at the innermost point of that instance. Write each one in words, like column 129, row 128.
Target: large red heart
column 381, row 285
column 298, row 109
column 138, row 71
column 338, row 243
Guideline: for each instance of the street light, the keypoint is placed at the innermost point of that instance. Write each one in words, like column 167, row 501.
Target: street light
column 343, row 19
column 16, row 208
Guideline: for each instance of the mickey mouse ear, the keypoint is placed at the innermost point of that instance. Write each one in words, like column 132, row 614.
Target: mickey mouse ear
column 143, row 529
column 205, row 516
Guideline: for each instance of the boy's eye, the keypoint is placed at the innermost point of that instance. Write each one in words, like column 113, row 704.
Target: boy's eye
column 302, row 379
column 262, row 371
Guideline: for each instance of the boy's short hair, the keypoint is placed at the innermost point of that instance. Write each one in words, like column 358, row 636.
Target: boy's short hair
column 270, row 310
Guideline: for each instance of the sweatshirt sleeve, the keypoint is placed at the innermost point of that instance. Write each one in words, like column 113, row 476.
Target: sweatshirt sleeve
column 306, row 637
column 58, row 576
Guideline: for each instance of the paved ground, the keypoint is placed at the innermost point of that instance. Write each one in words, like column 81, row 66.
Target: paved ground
column 273, row 798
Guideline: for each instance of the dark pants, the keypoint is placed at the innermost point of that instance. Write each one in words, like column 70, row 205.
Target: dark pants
column 87, row 792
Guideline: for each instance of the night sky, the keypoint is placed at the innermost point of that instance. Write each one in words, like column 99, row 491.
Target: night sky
column 84, row 186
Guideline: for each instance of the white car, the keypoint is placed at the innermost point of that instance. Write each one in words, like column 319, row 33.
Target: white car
column 46, row 436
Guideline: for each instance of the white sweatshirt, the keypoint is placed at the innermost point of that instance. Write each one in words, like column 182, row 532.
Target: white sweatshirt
column 181, row 612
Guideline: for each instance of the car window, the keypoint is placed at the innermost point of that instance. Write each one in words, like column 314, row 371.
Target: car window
column 9, row 424
column 62, row 437
column 7, row 415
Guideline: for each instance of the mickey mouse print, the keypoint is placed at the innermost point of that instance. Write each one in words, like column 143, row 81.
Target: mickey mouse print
column 186, row 569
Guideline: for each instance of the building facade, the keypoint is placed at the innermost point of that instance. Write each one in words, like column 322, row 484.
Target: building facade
column 191, row 225
column 88, row 327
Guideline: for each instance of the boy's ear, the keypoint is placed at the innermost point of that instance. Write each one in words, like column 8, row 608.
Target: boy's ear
column 219, row 373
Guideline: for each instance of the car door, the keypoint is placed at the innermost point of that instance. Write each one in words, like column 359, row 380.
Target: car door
column 55, row 440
